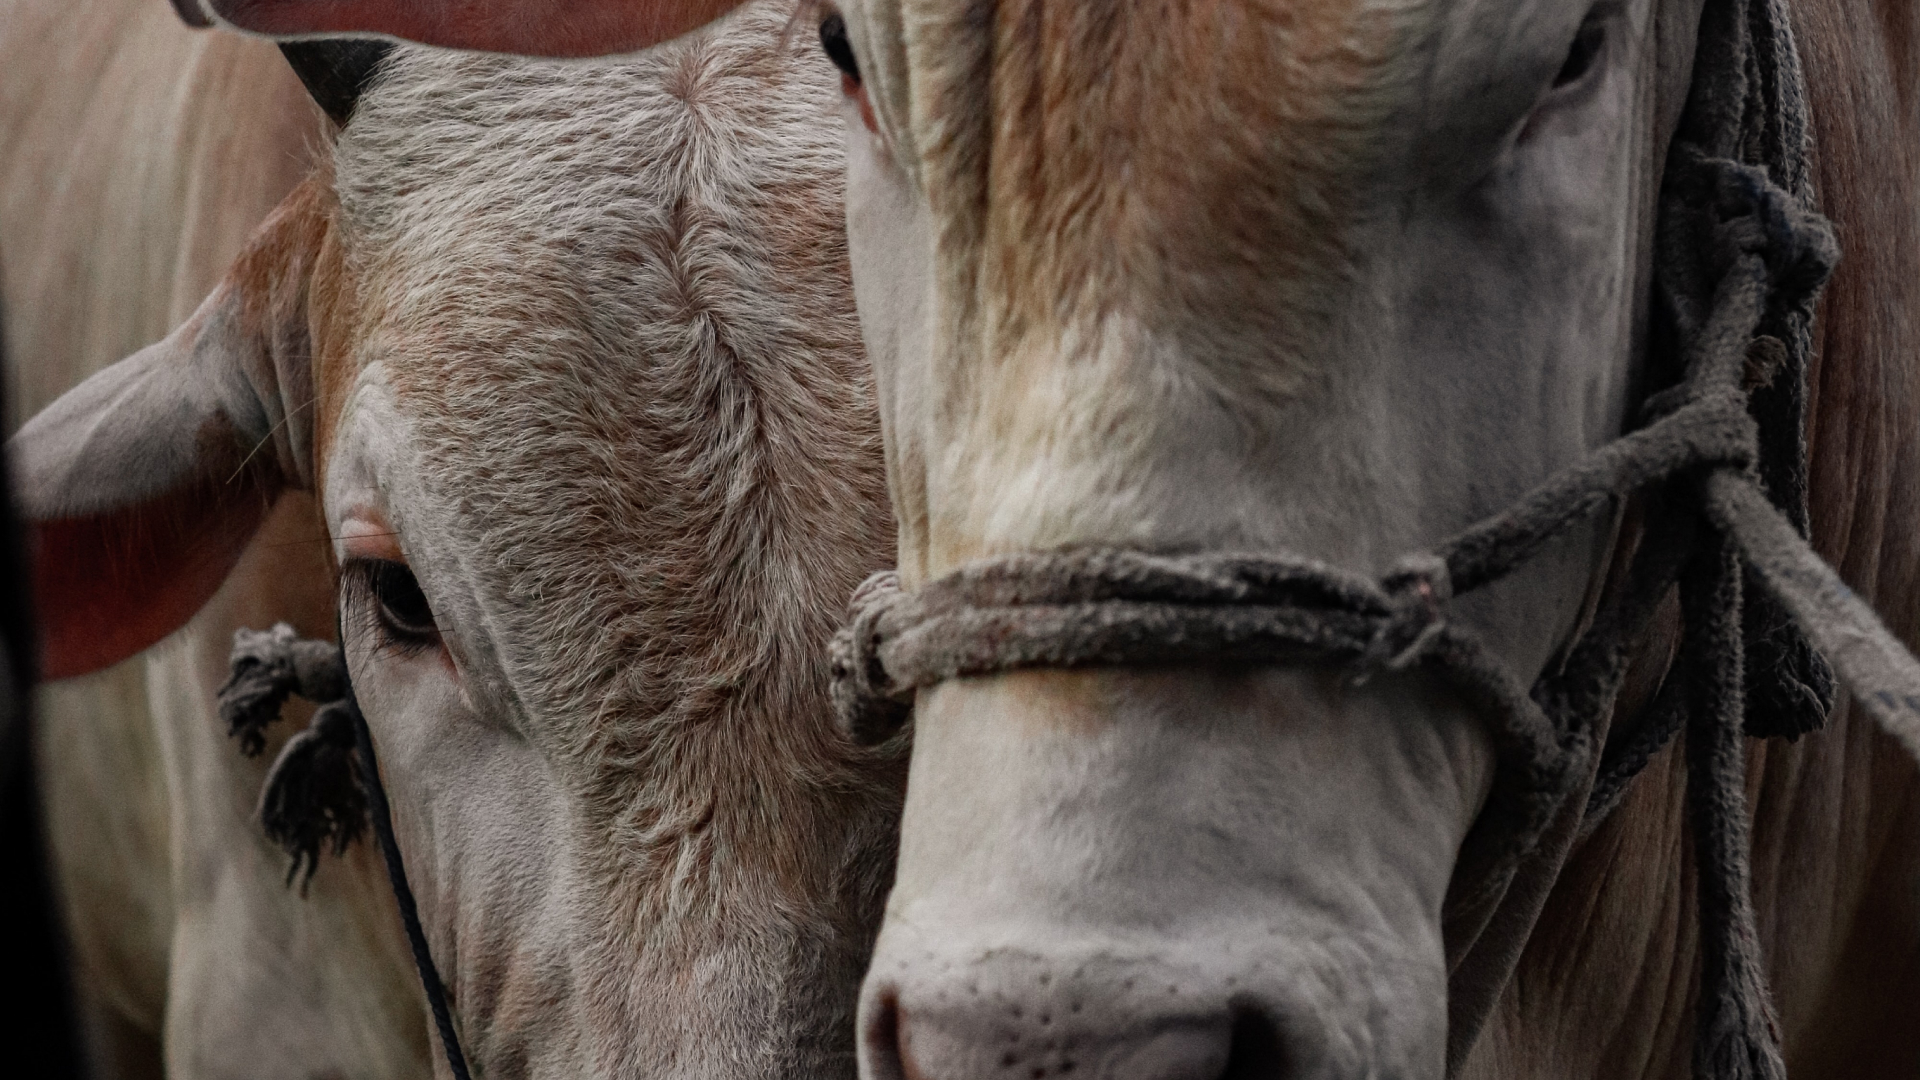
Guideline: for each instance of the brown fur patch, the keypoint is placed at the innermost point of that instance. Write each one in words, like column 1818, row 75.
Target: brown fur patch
column 1152, row 154
column 335, row 327
column 1189, row 164
column 271, row 276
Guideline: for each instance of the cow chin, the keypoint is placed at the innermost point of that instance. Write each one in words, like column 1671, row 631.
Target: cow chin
column 1173, row 876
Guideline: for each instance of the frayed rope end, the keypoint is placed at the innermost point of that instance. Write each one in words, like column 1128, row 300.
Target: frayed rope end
column 313, row 798
column 262, row 679
column 266, row 668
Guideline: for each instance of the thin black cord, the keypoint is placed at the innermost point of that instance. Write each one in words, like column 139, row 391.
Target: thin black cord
column 382, row 816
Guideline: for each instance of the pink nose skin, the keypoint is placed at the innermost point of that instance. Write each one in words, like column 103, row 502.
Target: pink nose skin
column 1012, row 1019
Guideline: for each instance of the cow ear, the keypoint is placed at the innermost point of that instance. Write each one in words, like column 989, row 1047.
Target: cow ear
column 527, row 27
column 140, row 487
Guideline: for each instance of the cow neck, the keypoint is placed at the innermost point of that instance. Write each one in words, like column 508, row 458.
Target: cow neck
column 1719, row 465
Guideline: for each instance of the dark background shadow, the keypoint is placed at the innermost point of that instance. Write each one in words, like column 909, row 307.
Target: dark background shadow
column 38, row 1037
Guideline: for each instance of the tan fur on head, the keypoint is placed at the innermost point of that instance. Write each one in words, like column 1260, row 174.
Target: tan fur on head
column 1159, row 161
column 1090, row 169
column 645, row 423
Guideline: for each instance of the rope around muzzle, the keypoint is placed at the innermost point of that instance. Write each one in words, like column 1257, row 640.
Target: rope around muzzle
column 1744, row 261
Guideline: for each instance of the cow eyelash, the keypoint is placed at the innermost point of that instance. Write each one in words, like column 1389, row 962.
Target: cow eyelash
column 394, row 603
column 839, row 48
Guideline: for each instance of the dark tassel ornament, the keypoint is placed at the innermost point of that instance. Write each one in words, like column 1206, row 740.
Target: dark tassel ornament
column 268, row 667
column 313, row 797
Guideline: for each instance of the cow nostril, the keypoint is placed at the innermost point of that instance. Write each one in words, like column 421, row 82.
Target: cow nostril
column 882, row 1050
column 1256, row 1051
column 1002, row 1043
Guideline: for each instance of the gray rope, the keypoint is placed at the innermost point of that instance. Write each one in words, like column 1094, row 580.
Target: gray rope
column 266, row 668
column 1721, row 462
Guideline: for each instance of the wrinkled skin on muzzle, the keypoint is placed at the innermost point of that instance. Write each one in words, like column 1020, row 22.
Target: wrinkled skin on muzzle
column 1334, row 279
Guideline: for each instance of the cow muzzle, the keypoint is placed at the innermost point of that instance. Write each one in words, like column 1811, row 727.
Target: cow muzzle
column 1173, row 876
column 938, row 1010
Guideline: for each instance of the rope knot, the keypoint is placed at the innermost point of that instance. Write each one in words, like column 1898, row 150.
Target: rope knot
column 267, row 668
column 312, row 794
column 867, row 703
column 1759, row 217
column 1417, row 590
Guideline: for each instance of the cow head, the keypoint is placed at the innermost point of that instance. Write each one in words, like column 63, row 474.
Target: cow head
column 1333, row 278
column 1327, row 277
column 568, row 354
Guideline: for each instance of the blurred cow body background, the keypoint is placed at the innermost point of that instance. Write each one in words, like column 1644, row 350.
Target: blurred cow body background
column 132, row 171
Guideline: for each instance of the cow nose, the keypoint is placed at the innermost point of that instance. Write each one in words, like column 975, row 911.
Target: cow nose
column 1006, row 1021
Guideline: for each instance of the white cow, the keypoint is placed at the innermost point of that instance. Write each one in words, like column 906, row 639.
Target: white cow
column 1332, row 280
column 553, row 369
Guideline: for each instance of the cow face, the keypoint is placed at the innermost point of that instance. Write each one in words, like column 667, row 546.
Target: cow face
column 1328, row 278
column 568, row 353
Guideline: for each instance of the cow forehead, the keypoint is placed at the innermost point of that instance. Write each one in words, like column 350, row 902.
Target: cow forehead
column 1103, row 116
column 1186, row 161
column 1170, row 134
column 612, row 301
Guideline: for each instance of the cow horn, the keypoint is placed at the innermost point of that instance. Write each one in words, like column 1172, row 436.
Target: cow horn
column 336, row 70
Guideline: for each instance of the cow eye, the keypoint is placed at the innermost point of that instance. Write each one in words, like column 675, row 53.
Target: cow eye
column 399, row 608
column 833, row 39
column 1582, row 53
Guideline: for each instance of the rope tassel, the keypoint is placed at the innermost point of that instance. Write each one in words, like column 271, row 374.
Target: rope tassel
column 325, row 787
column 312, row 798
column 268, row 667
